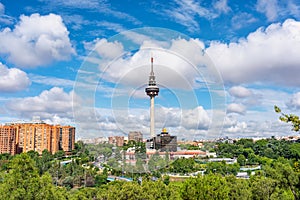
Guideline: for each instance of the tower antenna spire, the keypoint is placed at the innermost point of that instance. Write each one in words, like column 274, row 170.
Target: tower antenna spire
column 152, row 72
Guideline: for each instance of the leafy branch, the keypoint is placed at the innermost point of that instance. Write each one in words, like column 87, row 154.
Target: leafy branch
column 289, row 118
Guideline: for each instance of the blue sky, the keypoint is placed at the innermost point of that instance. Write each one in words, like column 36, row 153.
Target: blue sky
column 221, row 65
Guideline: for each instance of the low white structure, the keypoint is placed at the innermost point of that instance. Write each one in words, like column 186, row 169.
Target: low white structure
column 227, row 160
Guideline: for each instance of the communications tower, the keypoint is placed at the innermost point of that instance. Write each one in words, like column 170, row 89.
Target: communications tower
column 152, row 91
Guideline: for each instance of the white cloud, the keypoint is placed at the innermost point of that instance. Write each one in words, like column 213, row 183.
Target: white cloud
column 181, row 122
column 269, row 7
column 239, row 92
column 52, row 81
column 266, row 55
column 232, row 127
column 222, row 6
column 256, row 124
column 176, row 65
column 49, row 103
column 293, row 8
column 273, row 9
column 12, row 79
column 111, row 26
column 196, row 118
column 294, row 102
column 185, row 13
column 236, row 108
column 2, row 9
column 238, row 128
column 242, row 19
column 5, row 19
column 94, row 5
column 36, row 40
column 76, row 22
column 55, row 119
column 105, row 49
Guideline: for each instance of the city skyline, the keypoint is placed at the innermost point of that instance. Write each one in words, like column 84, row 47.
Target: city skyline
column 50, row 52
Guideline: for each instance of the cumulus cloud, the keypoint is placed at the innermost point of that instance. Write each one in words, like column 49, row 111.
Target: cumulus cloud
column 49, row 103
column 266, row 55
column 105, row 122
column 236, row 108
column 239, row 92
column 105, row 49
column 196, row 118
column 180, row 64
column 233, row 127
column 239, row 127
column 36, row 40
column 12, row 79
column 189, row 119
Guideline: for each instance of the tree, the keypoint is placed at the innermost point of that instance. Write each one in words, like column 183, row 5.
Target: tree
column 118, row 154
column 140, row 150
column 262, row 187
column 289, row 118
column 23, row 181
column 241, row 160
column 101, row 179
column 246, row 143
column 210, row 186
column 166, row 180
column 239, row 188
column 252, row 159
column 59, row 154
column 44, row 162
column 156, row 162
column 222, row 168
column 183, row 165
column 139, row 168
column 286, row 178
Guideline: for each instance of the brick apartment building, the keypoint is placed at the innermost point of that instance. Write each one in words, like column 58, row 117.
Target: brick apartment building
column 116, row 140
column 136, row 136
column 37, row 136
column 8, row 140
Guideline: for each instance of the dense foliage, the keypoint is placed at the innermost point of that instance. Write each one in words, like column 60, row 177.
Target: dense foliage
column 33, row 176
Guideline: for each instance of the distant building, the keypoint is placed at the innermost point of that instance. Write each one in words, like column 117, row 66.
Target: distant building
column 99, row 140
column 163, row 142
column 130, row 155
column 135, row 136
column 38, row 136
column 8, row 140
column 116, row 140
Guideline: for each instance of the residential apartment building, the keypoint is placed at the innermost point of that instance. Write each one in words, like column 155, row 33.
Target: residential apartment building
column 35, row 137
column 38, row 136
column 116, row 140
column 136, row 136
column 67, row 139
column 8, row 140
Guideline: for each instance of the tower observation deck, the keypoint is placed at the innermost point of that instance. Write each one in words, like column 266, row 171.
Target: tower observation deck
column 152, row 91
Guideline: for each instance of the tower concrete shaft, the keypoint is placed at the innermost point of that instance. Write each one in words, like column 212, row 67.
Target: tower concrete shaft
column 152, row 121
column 152, row 91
